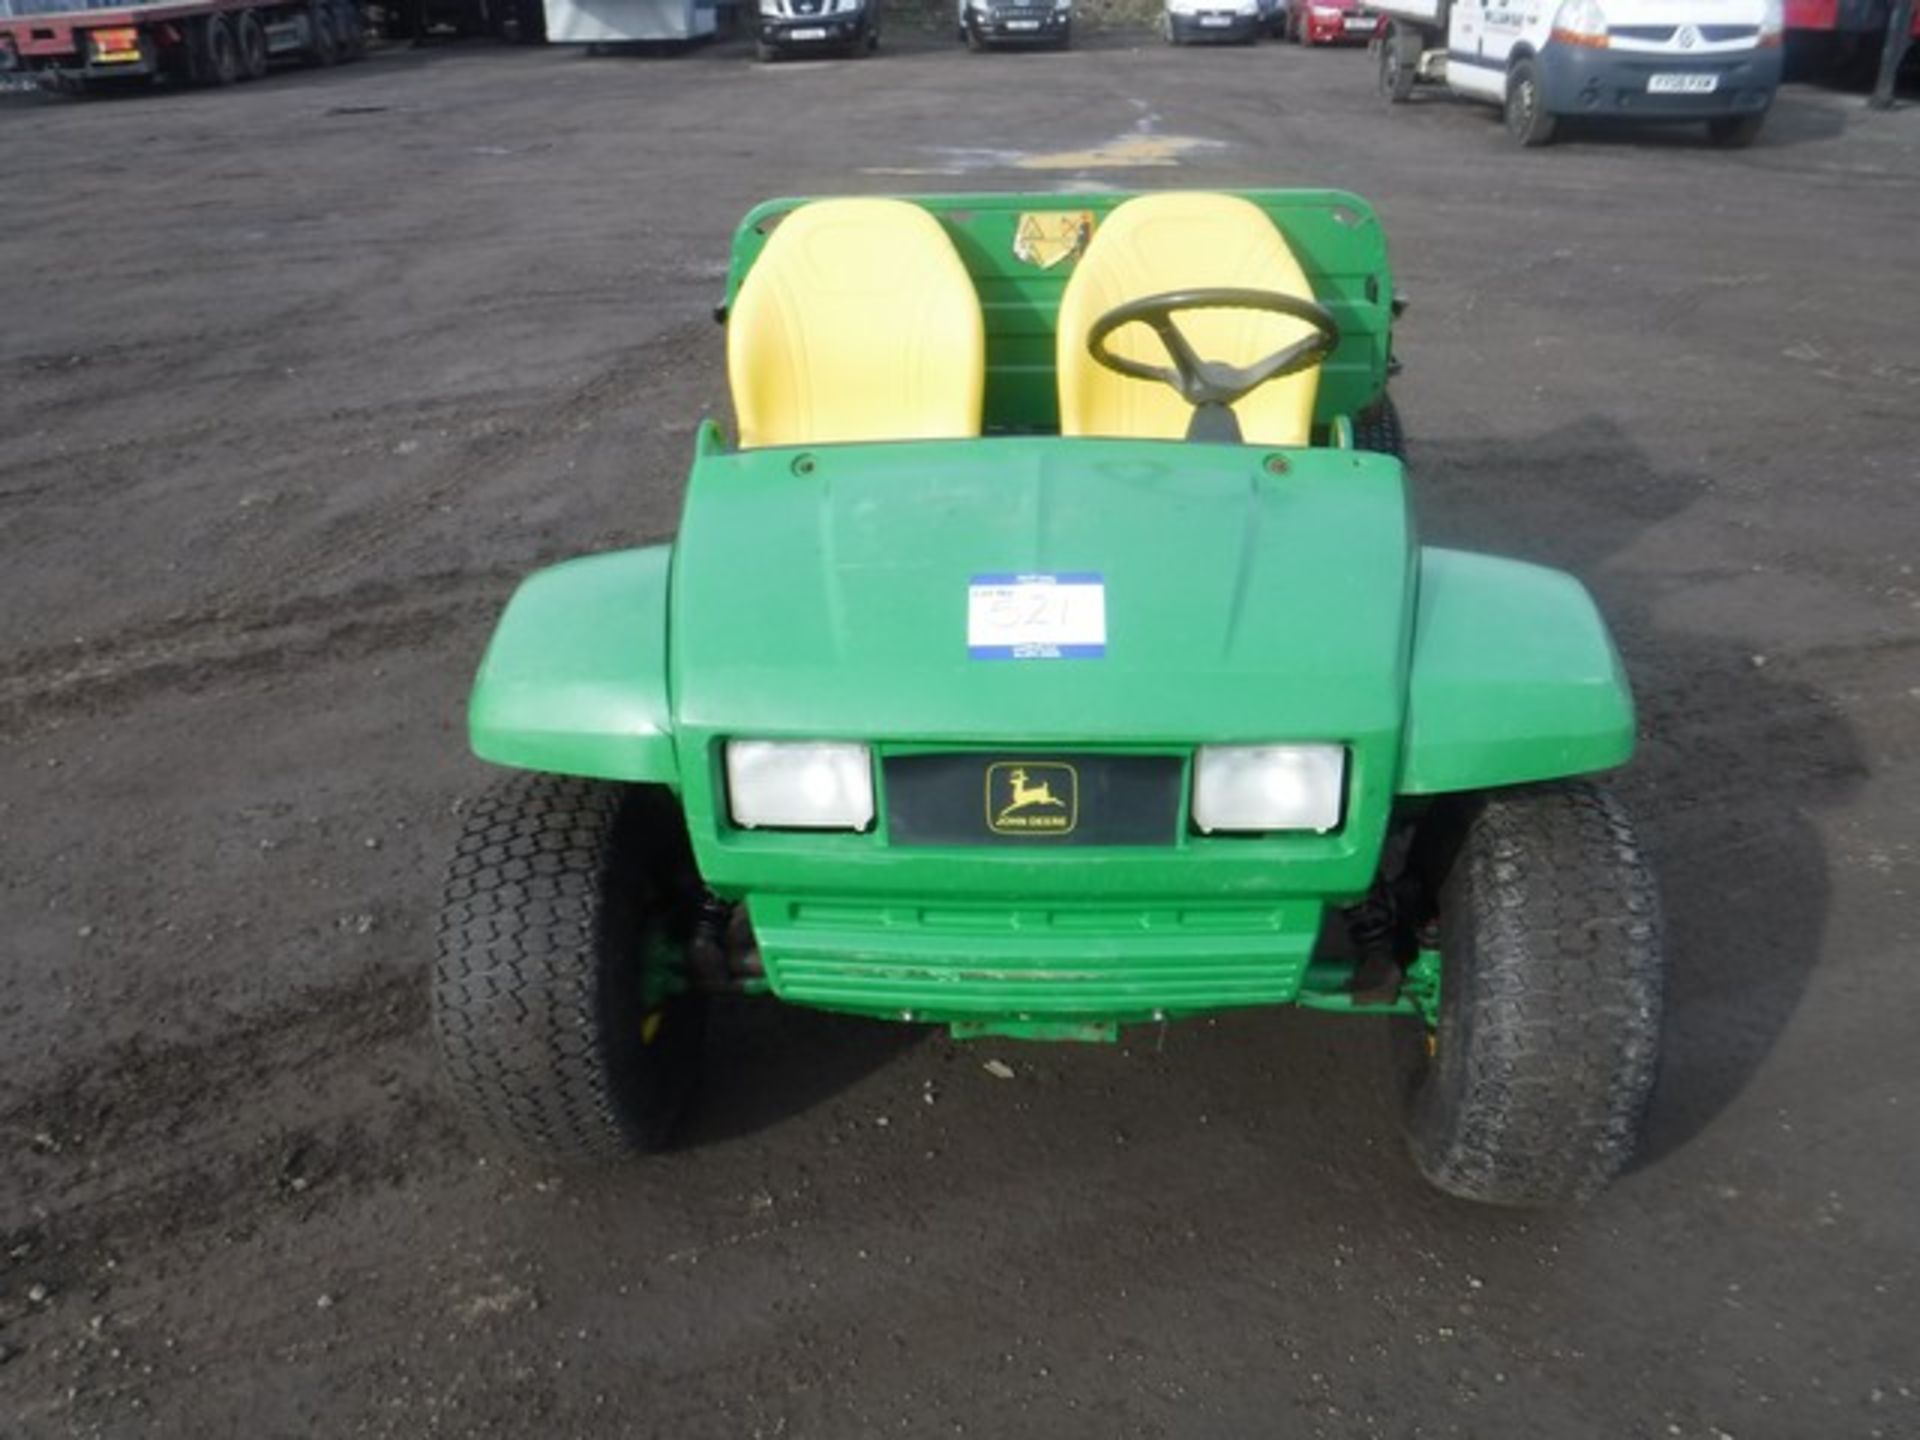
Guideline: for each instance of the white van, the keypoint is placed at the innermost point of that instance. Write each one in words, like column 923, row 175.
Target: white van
column 1545, row 61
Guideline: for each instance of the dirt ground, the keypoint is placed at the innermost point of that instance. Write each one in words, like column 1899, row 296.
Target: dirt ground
column 297, row 379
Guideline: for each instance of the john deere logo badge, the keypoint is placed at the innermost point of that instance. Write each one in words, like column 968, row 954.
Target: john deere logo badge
column 1032, row 797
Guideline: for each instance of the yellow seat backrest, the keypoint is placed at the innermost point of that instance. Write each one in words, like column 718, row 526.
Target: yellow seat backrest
column 858, row 321
column 1182, row 241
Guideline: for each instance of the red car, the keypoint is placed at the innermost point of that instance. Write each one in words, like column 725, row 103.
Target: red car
column 1329, row 22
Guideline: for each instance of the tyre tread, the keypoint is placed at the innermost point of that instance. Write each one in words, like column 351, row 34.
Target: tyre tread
column 1557, row 987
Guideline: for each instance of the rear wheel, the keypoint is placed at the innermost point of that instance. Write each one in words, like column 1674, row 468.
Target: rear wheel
column 219, row 52
column 1377, row 428
column 1532, row 1088
column 1736, row 132
column 250, row 38
column 1528, row 121
column 557, row 992
column 1399, row 61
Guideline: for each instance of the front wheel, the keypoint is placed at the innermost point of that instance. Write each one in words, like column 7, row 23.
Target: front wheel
column 1527, row 117
column 1532, row 1088
column 1735, row 132
column 559, row 1003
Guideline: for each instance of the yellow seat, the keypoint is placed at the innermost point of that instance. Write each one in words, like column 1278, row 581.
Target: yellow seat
column 857, row 322
column 1152, row 244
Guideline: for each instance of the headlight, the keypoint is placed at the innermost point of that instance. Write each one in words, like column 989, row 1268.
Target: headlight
column 1773, row 22
column 1182, row 7
column 1581, row 22
column 1248, row 7
column 1269, row 787
column 799, row 785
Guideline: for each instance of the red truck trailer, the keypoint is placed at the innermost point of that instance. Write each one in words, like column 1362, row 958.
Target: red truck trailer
column 197, row 42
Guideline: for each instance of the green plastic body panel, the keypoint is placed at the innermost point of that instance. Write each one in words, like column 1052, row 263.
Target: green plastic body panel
column 822, row 593
column 575, row 679
column 1515, row 678
column 1335, row 235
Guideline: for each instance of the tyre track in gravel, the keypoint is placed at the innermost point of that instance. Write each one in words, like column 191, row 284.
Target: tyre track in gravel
column 210, row 648
column 149, row 1144
column 373, row 528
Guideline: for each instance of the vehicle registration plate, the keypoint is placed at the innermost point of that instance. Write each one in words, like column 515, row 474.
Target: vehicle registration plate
column 812, row 32
column 1682, row 84
column 1023, row 24
column 1216, row 19
column 1361, row 22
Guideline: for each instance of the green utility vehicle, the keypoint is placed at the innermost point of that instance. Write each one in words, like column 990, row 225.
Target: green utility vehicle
column 1051, row 649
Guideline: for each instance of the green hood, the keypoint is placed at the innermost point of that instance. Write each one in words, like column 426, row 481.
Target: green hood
column 825, row 592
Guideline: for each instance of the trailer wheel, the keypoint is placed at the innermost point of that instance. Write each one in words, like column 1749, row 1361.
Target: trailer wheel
column 216, row 58
column 250, row 38
column 1528, row 120
column 324, row 34
column 1399, row 63
column 353, row 31
column 1532, row 1088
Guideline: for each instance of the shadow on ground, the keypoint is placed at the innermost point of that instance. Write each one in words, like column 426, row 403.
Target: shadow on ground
column 1734, row 759
column 767, row 1062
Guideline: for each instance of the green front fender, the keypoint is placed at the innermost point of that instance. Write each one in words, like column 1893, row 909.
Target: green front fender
column 575, row 679
column 1514, row 678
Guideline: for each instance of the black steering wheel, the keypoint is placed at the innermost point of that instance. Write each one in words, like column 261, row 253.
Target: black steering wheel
column 1211, row 386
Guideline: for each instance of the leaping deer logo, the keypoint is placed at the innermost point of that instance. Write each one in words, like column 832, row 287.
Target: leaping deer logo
column 1027, row 797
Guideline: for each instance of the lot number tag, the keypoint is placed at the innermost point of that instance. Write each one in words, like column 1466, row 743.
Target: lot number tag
column 1037, row 617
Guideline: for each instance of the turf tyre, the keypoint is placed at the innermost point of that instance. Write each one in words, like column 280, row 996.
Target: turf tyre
column 561, row 896
column 1534, row 1088
column 1378, row 428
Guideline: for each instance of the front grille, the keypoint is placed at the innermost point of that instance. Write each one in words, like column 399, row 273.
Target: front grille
column 957, row 961
column 1663, row 34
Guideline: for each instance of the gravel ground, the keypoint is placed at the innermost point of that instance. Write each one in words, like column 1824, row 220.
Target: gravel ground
column 296, row 379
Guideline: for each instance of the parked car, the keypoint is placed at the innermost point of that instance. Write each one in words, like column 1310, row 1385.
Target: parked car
column 851, row 27
column 1228, row 22
column 1330, row 22
column 984, row 23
